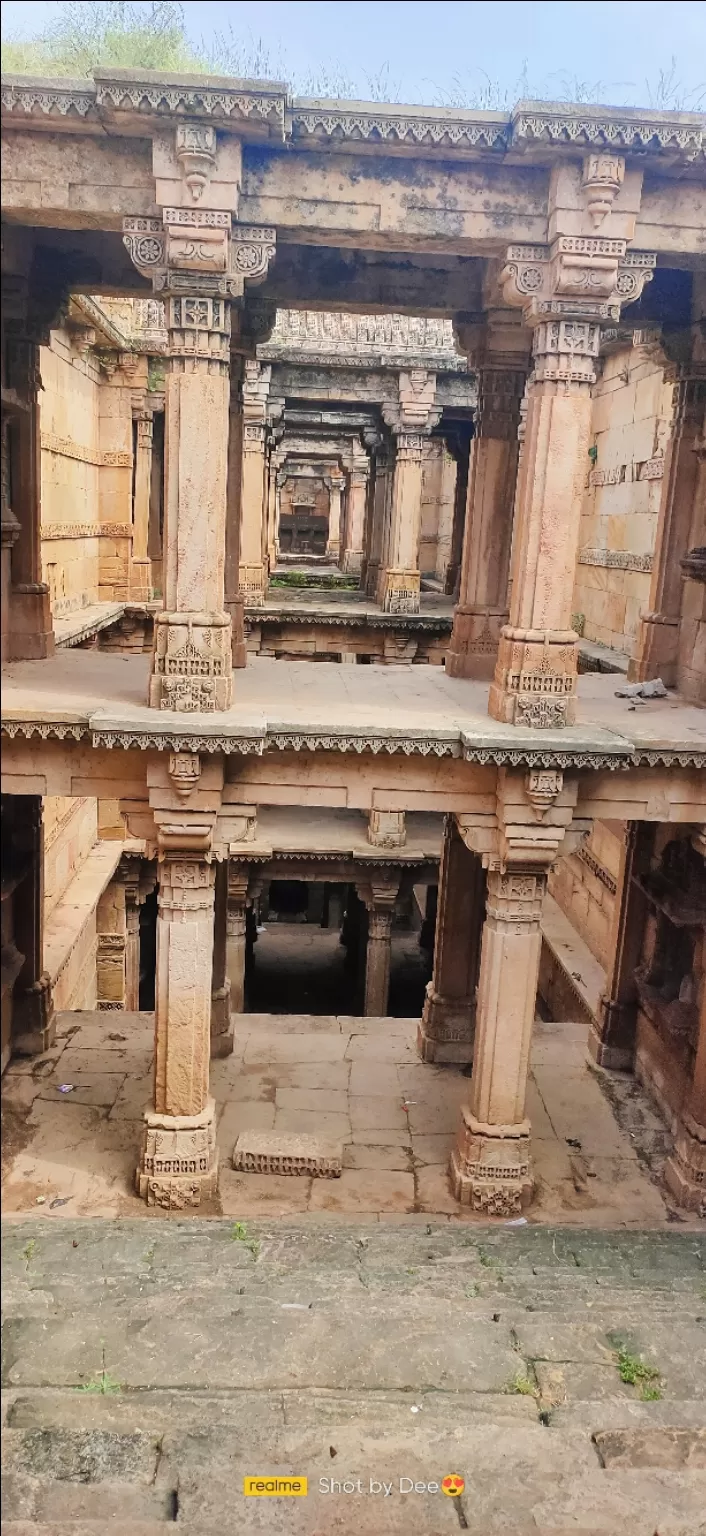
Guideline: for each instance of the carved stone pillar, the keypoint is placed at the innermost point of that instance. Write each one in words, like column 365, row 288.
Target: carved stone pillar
column 352, row 561
column 199, row 260
column 221, row 1027
column 379, row 898
column 490, row 1165
column 179, row 1162
column 27, row 621
column 132, row 947
column 459, row 444
column 140, row 565
column 411, row 421
column 377, row 522
column 236, row 933
column 252, row 579
column 657, row 649
column 234, row 599
column 192, row 640
column 111, row 947
column 567, row 291
column 482, row 608
column 612, row 1041
column 447, row 1025
column 333, row 543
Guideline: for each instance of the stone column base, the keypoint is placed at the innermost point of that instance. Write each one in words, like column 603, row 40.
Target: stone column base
column 352, row 562
column 611, row 1042
column 235, row 606
column 222, row 1035
column 179, row 1161
column 33, row 1019
column 252, row 584
column 446, row 1030
column 191, row 664
column 535, row 678
column 400, row 591
column 685, row 1169
column 475, row 640
column 657, row 649
column 141, row 589
column 490, row 1166
column 30, row 629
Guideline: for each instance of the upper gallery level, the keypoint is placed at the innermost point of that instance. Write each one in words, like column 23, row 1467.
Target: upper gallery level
column 363, row 177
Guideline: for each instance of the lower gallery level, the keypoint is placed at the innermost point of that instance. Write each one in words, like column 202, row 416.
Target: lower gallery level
column 435, row 963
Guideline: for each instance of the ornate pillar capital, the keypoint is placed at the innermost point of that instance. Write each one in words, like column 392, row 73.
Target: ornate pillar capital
column 199, row 251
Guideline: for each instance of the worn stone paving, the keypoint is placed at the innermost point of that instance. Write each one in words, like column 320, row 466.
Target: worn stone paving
column 356, row 1080
column 149, row 1368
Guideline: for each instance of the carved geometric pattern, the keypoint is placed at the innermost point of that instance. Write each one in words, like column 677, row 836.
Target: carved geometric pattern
column 50, row 442
column 615, row 559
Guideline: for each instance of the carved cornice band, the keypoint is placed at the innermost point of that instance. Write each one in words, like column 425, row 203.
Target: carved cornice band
column 258, row 740
column 264, row 111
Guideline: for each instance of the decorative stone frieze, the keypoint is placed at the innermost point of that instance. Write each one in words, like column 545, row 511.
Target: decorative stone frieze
column 616, row 559
column 287, row 1153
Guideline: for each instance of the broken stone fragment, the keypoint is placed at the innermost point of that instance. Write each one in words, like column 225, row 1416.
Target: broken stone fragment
column 654, row 689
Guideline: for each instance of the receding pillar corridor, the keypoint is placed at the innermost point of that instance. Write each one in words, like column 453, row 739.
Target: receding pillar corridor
column 334, row 524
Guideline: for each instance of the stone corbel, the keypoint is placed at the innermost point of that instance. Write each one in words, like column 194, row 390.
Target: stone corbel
column 192, row 839
column 196, row 155
column 415, row 411
column 598, row 273
column 386, row 829
column 199, row 241
column 542, row 786
column 184, row 772
column 602, row 178
column 379, row 893
column 252, row 249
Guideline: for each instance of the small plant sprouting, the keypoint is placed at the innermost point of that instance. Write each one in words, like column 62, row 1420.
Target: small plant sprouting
column 521, row 1386
column 239, row 1234
column 28, row 1251
column 633, row 1370
column 101, row 1381
column 148, row 1255
column 472, row 1290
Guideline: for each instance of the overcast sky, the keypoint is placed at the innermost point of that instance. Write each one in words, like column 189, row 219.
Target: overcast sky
column 429, row 45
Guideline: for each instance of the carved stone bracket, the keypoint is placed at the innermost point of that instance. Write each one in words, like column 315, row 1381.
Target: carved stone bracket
column 184, row 772
column 199, row 241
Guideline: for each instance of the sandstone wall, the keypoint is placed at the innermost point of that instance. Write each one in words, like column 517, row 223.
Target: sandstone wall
column 70, row 832
column 438, row 486
column 630, row 430
column 584, row 885
column 69, row 426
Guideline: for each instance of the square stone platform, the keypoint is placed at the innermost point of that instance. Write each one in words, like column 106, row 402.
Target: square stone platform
column 353, row 1080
